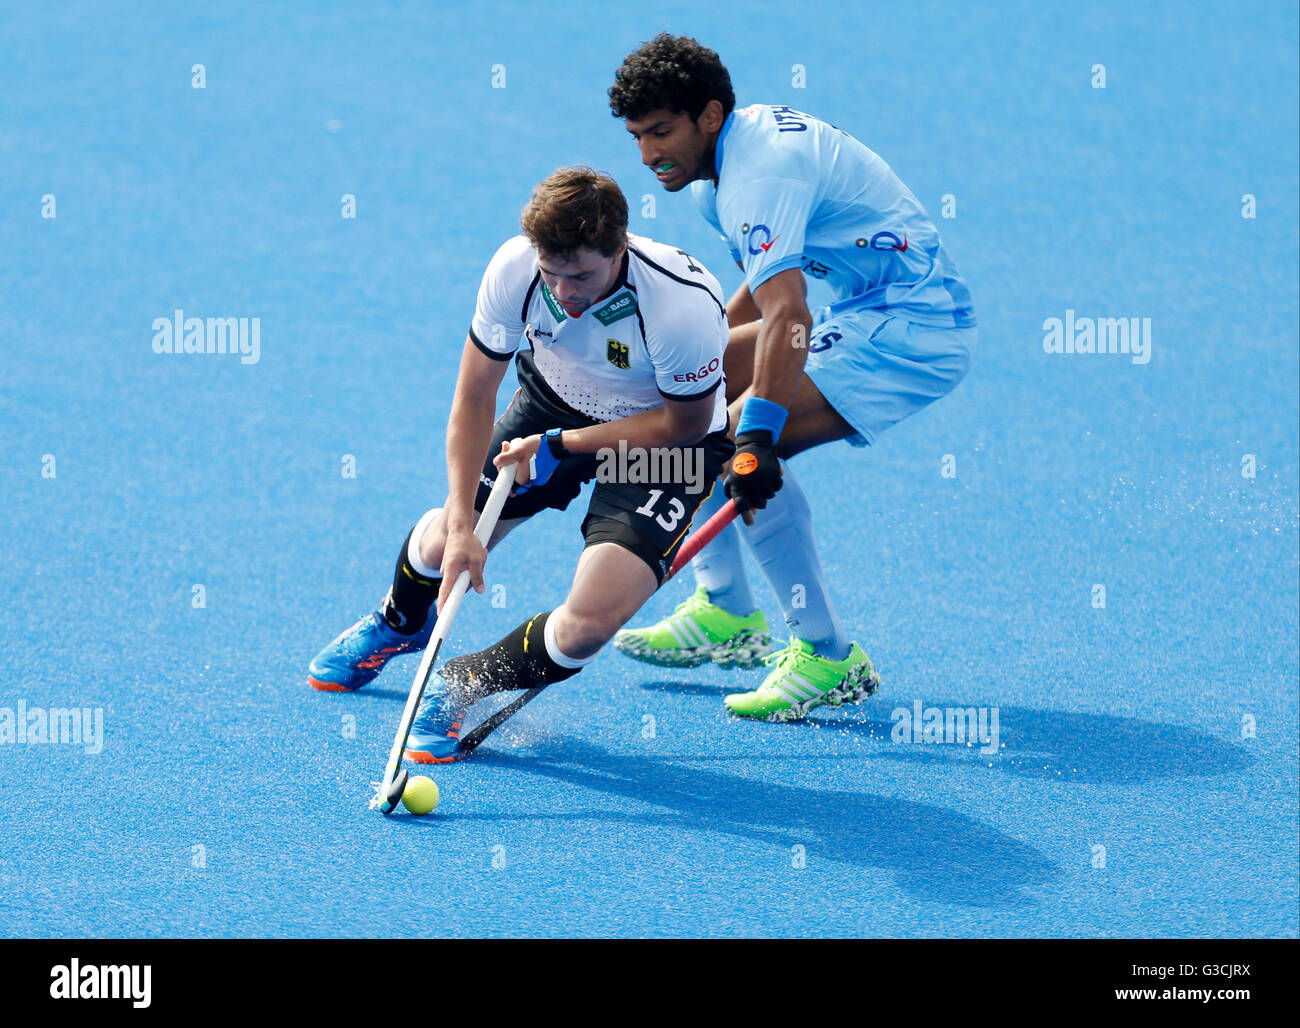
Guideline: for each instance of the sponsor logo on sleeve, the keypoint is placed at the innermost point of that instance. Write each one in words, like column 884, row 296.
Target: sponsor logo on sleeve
column 759, row 238
column 622, row 306
column 700, row 375
column 885, row 241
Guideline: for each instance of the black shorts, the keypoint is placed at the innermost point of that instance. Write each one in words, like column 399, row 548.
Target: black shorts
column 644, row 502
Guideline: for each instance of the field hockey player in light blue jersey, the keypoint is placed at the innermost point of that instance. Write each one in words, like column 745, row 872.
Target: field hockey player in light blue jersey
column 793, row 197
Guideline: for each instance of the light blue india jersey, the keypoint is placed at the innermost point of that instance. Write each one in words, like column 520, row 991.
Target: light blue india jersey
column 795, row 192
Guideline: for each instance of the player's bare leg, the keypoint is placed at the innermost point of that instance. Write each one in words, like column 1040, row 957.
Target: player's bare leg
column 609, row 586
column 434, row 537
column 404, row 621
column 811, row 421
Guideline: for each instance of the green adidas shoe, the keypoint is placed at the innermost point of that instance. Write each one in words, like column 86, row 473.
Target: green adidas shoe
column 802, row 680
column 698, row 632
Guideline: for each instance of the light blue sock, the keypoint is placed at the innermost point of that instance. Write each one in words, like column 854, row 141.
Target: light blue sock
column 720, row 567
column 781, row 540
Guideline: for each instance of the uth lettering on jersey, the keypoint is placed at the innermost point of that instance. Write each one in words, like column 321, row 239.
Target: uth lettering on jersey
column 696, row 376
column 789, row 120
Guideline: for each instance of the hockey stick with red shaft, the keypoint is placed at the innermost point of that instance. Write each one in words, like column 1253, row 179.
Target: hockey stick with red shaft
column 697, row 541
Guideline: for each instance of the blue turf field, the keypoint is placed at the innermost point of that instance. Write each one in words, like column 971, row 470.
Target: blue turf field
column 1122, row 727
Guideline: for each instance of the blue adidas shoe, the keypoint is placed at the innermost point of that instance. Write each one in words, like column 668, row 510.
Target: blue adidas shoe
column 359, row 654
column 435, row 733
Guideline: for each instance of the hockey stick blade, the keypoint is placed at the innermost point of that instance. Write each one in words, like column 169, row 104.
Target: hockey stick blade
column 393, row 794
column 490, row 724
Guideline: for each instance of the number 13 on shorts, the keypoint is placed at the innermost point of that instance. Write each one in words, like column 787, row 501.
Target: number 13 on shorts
column 669, row 519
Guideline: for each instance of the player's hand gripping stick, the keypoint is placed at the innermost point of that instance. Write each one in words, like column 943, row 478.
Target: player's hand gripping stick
column 755, row 474
column 390, row 791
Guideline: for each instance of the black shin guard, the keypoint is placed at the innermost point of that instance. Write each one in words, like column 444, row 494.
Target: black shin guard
column 407, row 605
column 519, row 661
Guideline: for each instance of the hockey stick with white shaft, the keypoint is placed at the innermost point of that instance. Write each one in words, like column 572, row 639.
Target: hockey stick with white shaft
column 395, row 776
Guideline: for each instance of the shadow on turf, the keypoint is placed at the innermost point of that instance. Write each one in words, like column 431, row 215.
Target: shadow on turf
column 936, row 853
column 400, row 695
column 1062, row 746
column 686, row 688
column 1048, row 744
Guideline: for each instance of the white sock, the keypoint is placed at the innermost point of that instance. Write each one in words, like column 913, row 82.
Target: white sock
column 413, row 547
column 558, row 655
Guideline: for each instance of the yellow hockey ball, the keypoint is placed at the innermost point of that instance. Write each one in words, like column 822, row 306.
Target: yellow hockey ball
column 420, row 795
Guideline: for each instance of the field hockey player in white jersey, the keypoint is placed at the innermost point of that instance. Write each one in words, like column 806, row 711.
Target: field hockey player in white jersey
column 618, row 344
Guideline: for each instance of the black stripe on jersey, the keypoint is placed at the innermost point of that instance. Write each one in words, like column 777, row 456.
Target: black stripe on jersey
column 491, row 353
column 693, row 396
column 528, row 297
column 622, row 276
column 640, row 321
column 684, row 281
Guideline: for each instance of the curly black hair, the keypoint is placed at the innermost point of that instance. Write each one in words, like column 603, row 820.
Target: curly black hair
column 673, row 73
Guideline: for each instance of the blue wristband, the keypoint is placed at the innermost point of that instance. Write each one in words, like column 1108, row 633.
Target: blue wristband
column 759, row 415
column 546, row 460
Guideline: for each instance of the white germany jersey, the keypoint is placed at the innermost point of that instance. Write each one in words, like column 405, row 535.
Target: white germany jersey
column 660, row 332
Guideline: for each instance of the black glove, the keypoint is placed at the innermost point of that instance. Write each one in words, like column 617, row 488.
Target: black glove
column 755, row 473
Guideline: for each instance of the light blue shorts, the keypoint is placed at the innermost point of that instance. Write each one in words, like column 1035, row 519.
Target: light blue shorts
column 876, row 368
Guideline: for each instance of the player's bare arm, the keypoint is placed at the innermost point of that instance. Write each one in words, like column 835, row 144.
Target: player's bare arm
column 677, row 423
column 782, row 345
column 778, row 358
column 469, row 433
column 741, row 308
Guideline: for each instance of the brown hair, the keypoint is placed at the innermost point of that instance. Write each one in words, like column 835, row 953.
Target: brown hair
column 575, row 208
